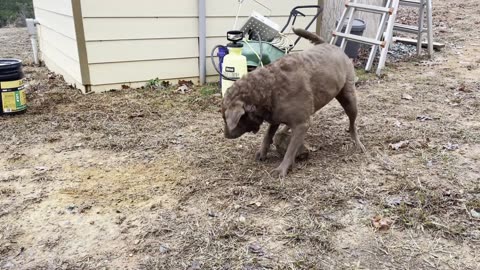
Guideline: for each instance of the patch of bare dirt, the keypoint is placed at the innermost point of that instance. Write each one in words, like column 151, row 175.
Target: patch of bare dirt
column 143, row 179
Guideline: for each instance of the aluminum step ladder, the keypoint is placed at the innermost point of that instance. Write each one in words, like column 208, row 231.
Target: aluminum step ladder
column 387, row 26
column 425, row 9
column 382, row 40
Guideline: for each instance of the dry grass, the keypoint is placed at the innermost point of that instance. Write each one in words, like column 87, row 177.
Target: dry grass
column 143, row 179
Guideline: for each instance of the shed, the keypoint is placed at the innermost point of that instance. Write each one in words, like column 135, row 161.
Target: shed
column 103, row 45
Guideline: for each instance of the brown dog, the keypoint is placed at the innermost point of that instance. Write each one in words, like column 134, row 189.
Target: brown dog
column 288, row 92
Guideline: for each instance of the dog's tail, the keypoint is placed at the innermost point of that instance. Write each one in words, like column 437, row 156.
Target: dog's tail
column 314, row 38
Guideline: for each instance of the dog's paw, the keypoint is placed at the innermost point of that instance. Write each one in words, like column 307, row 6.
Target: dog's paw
column 261, row 156
column 279, row 172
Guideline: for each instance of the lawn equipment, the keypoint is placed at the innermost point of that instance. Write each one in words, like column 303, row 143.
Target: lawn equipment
column 259, row 42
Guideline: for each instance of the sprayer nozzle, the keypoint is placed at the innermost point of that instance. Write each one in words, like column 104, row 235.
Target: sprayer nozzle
column 235, row 36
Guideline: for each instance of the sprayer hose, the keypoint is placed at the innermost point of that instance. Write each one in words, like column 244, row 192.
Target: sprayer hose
column 216, row 67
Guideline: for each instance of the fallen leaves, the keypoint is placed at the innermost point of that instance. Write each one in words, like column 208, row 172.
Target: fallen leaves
column 255, row 248
column 183, row 89
column 184, row 86
column 423, row 118
column 407, row 97
column 399, row 145
column 381, row 223
column 451, row 147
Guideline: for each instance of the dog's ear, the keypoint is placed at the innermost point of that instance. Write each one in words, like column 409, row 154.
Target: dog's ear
column 233, row 115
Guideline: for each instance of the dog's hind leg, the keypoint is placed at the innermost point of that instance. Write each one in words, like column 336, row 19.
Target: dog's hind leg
column 261, row 155
column 348, row 100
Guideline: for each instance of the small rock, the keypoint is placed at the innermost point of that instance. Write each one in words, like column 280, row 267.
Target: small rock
column 120, row 219
column 8, row 265
column 164, row 249
column 242, row 219
column 72, row 208
column 195, row 266
column 407, row 97
column 212, row 214
column 475, row 213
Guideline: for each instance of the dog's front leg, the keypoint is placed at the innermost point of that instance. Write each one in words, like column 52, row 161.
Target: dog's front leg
column 298, row 135
column 267, row 141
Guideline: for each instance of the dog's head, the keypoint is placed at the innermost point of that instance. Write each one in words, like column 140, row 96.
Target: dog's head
column 239, row 119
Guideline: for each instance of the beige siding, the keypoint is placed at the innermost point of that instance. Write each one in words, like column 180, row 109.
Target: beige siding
column 58, row 6
column 141, row 50
column 228, row 8
column 57, row 38
column 140, row 40
column 139, row 71
column 139, row 8
column 99, row 29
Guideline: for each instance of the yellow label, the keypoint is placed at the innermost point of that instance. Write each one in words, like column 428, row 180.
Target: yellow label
column 23, row 98
column 8, row 102
column 14, row 101
column 11, row 84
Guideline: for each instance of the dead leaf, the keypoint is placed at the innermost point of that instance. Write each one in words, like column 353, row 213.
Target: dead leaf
column 399, row 145
column 423, row 118
column 136, row 115
column 195, row 266
column 42, row 168
column 255, row 248
column 394, row 201
column 183, row 89
column 462, row 88
column 187, row 83
column 258, row 204
column 407, row 97
column 212, row 213
column 451, row 147
column 382, row 224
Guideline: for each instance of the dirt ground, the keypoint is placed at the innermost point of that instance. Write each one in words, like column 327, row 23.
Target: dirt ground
column 143, row 179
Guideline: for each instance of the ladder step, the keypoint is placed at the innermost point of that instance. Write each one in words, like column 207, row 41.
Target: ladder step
column 407, row 28
column 359, row 39
column 412, row 3
column 369, row 8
